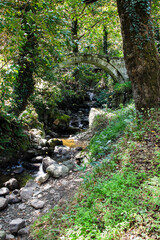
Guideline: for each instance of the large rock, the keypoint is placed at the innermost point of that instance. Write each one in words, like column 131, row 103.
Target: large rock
column 2, row 235
column 3, row 203
column 57, row 170
column 37, row 204
column 26, row 193
column 93, row 113
column 47, row 161
column 16, row 224
column 12, row 184
column 4, row 191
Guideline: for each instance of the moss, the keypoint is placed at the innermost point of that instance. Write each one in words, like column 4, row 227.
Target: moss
column 63, row 118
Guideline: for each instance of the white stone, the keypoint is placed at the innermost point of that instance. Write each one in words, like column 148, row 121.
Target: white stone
column 2, row 235
column 3, row 203
column 42, row 179
column 4, row 191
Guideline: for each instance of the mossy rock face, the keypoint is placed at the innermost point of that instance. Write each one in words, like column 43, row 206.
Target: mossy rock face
column 62, row 121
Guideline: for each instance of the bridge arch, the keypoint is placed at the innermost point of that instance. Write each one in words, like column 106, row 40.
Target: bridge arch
column 115, row 67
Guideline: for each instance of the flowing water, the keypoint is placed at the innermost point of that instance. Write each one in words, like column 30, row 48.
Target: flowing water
column 79, row 122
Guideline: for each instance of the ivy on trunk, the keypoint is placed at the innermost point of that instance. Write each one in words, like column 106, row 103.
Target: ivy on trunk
column 140, row 53
column 24, row 84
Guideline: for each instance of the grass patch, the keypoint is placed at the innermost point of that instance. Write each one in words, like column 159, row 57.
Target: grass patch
column 100, row 144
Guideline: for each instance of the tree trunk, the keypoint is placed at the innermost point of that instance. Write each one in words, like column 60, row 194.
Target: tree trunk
column 141, row 56
column 24, row 84
column 105, row 51
column 75, row 49
column 157, row 38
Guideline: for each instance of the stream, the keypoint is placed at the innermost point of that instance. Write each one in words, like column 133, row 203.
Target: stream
column 32, row 200
column 25, row 169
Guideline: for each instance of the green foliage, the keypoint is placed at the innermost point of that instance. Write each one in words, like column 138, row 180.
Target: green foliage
column 101, row 142
column 29, row 118
column 13, row 140
column 122, row 87
column 121, row 94
column 103, row 97
column 100, row 122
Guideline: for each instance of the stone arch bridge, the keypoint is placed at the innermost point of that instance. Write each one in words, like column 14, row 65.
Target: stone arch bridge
column 114, row 66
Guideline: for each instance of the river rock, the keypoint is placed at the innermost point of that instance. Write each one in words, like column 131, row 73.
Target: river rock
column 57, row 170
column 22, row 206
column 16, row 224
column 4, row 191
column 3, row 203
column 26, row 193
column 43, row 142
column 2, row 235
column 24, row 231
column 13, row 198
column 47, row 161
column 12, row 184
column 37, row 159
column 37, row 204
column 10, row 237
column 42, row 179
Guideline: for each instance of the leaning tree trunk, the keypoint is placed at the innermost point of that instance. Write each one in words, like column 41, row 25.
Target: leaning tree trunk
column 140, row 54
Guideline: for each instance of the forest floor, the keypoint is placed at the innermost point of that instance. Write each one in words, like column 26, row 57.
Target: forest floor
column 120, row 197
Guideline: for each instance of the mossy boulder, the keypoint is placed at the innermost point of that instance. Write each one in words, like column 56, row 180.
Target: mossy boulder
column 54, row 142
column 62, row 122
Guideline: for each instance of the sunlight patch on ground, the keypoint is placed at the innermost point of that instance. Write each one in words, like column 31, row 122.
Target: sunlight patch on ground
column 72, row 143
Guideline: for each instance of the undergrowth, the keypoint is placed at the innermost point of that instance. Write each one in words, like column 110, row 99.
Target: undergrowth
column 120, row 199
